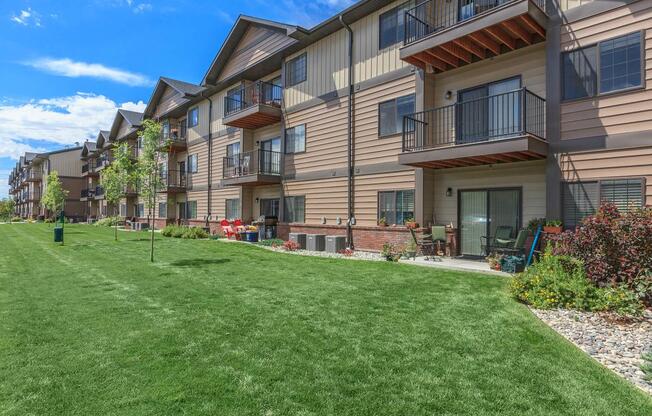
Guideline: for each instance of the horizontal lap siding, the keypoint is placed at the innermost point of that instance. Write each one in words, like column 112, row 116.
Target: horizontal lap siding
column 328, row 60
column 328, row 197
column 635, row 163
column 201, row 177
column 263, row 192
column 618, row 113
column 266, row 133
column 267, row 42
column 326, row 130
column 219, row 153
column 528, row 175
column 218, row 201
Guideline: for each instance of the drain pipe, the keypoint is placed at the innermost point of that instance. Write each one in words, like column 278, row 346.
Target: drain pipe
column 210, row 156
column 349, row 153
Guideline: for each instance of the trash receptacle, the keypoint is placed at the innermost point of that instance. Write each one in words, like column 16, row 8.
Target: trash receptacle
column 251, row 236
column 58, row 234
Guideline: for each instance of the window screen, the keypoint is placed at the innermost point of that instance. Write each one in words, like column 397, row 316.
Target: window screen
column 232, row 209
column 296, row 70
column 396, row 206
column 191, row 209
column 295, row 209
column 295, row 139
column 162, row 210
column 391, row 113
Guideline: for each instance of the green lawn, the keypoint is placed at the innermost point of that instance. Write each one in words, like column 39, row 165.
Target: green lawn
column 93, row 328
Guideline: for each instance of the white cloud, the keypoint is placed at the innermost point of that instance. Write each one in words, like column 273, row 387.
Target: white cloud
column 58, row 121
column 72, row 69
column 142, row 8
column 27, row 17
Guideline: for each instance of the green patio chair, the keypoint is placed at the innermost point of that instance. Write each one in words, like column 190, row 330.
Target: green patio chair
column 439, row 237
column 502, row 239
column 518, row 246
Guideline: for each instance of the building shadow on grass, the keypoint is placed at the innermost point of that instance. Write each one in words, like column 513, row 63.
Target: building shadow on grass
column 198, row 262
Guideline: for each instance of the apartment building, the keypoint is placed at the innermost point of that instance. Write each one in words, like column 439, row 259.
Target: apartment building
column 27, row 182
column 473, row 114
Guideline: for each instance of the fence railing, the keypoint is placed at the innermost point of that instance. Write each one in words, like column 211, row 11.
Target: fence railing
column 264, row 162
column 174, row 179
column 257, row 93
column 99, row 191
column 510, row 114
column 88, row 193
column 433, row 16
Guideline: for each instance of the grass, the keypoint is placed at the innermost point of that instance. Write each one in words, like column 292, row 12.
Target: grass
column 211, row 328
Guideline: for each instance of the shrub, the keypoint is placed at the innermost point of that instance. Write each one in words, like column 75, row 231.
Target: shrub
column 391, row 252
column 347, row 252
column 615, row 248
column 273, row 242
column 291, row 246
column 557, row 281
column 194, row 233
column 16, row 219
column 171, row 231
column 647, row 365
column 107, row 222
column 48, row 220
column 535, row 223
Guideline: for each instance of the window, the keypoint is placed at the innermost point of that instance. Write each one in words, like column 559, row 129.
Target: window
column 123, row 210
column 620, row 63
column 296, row 70
column 295, row 209
column 232, row 209
column 396, row 206
column 269, row 207
column 615, row 64
column 191, row 210
column 390, row 114
column 192, row 163
column 295, row 139
column 391, row 25
column 162, row 210
column 233, row 100
column 581, row 199
column 193, row 117
column 140, row 210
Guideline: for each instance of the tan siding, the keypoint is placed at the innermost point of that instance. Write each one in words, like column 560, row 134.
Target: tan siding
column 218, row 110
column 328, row 60
column 615, row 113
column 219, row 153
column 609, row 164
column 66, row 163
column 201, row 177
column 124, row 128
column 267, row 132
column 171, row 98
column 326, row 130
column 218, row 201
column 570, row 4
column 528, row 175
column 201, row 130
column 327, row 197
column 256, row 45
column 263, row 192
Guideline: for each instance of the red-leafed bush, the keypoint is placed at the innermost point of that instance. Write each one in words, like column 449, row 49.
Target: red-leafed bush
column 615, row 248
column 291, row 246
column 347, row 252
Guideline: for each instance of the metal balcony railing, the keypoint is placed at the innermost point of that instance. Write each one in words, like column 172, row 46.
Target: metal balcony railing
column 264, row 162
column 257, row 93
column 495, row 117
column 433, row 16
column 172, row 134
column 99, row 191
column 177, row 179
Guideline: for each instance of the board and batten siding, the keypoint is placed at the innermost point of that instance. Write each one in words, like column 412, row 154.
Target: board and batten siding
column 66, row 163
column 125, row 128
column 609, row 164
column 530, row 176
column 328, row 197
column 326, row 130
column 257, row 44
column 617, row 113
column 327, row 59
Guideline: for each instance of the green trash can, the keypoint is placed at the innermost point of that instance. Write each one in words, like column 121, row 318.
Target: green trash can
column 58, row 234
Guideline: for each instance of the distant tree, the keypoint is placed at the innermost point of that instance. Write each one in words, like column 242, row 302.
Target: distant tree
column 149, row 169
column 7, row 206
column 54, row 197
column 117, row 177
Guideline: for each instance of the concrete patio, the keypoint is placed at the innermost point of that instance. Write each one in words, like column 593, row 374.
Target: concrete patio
column 454, row 263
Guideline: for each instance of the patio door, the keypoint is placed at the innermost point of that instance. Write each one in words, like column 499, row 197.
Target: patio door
column 481, row 212
column 270, row 207
column 269, row 157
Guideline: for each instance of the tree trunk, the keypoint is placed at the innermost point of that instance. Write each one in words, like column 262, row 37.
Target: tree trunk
column 116, row 224
column 153, row 211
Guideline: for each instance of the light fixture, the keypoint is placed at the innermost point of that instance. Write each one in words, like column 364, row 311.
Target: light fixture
column 448, row 95
column 257, row 200
column 449, row 191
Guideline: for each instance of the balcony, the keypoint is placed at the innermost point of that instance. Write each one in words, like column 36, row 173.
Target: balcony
column 34, row 176
column 441, row 35
column 174, row 181
column 99, row 192
column 88, row 169
column 501, row 128
column 254, row 106
column 173, row 137
column 34, row 196
column 130, row 192
column 87, row 193
column 257, row 167
column 102, row 162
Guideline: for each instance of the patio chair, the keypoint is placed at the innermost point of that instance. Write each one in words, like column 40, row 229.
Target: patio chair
column 227, row 229
column 425, row 244
column 517, row 248
column 503, row 238
column 439, row 237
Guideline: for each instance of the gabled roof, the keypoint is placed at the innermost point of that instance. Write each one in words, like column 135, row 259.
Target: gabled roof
column 87, row 148
column 186, row 89
column 102, row 139
column 134, row 119
column 303, row 36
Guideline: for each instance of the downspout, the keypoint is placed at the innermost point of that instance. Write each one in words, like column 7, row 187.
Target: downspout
column 349, row 152
column 210, row 156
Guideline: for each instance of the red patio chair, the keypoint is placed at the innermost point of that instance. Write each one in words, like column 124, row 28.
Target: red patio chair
column 227, row 229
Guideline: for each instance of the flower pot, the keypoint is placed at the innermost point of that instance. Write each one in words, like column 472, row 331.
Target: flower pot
column 411, row 225
column 552, row 229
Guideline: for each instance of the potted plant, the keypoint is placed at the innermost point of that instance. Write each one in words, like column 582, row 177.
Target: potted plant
column 553, row 227
column 534, row 224
column 410, row 249
column 494, row 261
column 390, row 252
column 411, row 223
column 382, row 222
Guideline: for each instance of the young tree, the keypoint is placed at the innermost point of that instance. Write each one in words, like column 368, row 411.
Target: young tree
column 149, row 169
column 7, row 206
column 54, row 197
column 117, row 177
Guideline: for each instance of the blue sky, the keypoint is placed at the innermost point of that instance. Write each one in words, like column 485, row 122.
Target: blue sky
column 66, row 66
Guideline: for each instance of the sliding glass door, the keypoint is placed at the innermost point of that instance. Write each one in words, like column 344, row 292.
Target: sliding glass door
column 482, row 212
